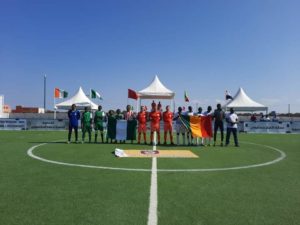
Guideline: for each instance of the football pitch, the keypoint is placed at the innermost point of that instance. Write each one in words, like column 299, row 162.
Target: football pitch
column 44, row 181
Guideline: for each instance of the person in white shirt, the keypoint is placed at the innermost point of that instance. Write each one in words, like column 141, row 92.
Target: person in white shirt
column 189, row 133
column 180, row 128
column 199, row 113
column 209, row 112
column 232, row 125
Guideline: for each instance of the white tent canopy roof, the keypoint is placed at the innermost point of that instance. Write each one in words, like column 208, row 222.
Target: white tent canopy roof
column 242, row 102
column 156, row 90
column 79, row 99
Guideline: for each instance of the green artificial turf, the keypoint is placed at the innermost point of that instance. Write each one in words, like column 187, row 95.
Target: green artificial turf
column 33, row 192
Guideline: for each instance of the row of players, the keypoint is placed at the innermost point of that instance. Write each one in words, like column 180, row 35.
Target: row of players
column 154, row 116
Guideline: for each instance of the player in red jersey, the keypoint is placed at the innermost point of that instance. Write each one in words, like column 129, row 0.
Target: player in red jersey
column 168, row 124
column 142, row 128
column 155, row 117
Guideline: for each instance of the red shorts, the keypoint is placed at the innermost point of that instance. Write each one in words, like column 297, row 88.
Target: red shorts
column 142, row 127
column 168, row 127
column 155, row 127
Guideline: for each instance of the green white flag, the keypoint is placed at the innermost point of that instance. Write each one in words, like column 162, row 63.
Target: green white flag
column 95, row 94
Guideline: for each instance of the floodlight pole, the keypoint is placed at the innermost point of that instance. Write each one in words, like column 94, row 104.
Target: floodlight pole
column 45, row 80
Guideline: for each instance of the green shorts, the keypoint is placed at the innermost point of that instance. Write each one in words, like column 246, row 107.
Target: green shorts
column 99, row 127
column 86, row 128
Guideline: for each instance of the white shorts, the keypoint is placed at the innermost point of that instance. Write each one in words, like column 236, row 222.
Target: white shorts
column 180, row 128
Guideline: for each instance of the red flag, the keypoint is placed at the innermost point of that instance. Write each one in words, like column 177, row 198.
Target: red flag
column 132, row 94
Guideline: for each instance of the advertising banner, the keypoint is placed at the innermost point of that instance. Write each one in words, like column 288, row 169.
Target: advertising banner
column 267, row 127
column 47, row 124
column 13, row 124
column 295, row 127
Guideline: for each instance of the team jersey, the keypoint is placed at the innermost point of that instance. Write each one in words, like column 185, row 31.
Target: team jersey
column 142, row 117
column 178, row 120
column 206, row 113
column 86, row 118
column 74, row 116
column 168, row 117
column 155, row 116
column 99, row 117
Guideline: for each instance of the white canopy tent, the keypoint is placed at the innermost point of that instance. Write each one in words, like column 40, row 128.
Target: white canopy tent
column 79, row 99
column 242, row 102
column 156, row 90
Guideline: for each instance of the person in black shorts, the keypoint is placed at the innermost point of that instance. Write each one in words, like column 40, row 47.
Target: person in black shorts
column 219, row 116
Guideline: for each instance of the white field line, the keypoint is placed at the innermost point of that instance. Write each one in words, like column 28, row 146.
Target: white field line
column 281, row 157
column 152, row 216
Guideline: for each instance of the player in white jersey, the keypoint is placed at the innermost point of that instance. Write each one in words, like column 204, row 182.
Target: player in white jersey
column 180, row 128
column 189, row 133
column 207, row 141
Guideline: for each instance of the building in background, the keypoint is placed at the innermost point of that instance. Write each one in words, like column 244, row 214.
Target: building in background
column 21, row 109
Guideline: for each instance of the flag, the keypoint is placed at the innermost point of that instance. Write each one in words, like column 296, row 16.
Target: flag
column 200, row 126
column 126, row 130
column 227, row 95
column 186, row 98
column 58, row 93
column 132, row 94
column 95, row 94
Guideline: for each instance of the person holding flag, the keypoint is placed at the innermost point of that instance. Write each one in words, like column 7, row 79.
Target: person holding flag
column 142, row 127
column 199, row 114
column 208, row 113
column 189, row 133
column 86, row 124
column 180, row 128
column 99, row 120
column 131, row 124
column 74, row 116
column 168, row 125
column 111, row 126
column 155, row 117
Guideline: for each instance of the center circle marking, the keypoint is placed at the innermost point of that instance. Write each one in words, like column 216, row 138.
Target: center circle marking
column 281, row 157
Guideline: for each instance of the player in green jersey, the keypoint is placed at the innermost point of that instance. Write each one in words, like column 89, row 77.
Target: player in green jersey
column 99, row 120
column 86, row 124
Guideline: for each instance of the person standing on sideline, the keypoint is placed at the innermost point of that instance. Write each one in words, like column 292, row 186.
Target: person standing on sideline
column 142, row 127
column 232, row 125
column 208, row 113
column 180, row 128
column 218, row 116
column 155, row 117
column 86, row 124
column 74, row 116
column 99, row 120
column 168, row 125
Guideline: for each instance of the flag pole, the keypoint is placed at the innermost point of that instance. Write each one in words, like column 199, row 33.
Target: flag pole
column 54, row 102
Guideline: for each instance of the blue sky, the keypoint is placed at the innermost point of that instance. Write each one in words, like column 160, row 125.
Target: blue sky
column 203, row 47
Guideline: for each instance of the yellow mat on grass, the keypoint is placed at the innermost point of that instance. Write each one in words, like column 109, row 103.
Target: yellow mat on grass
column 160, row 153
